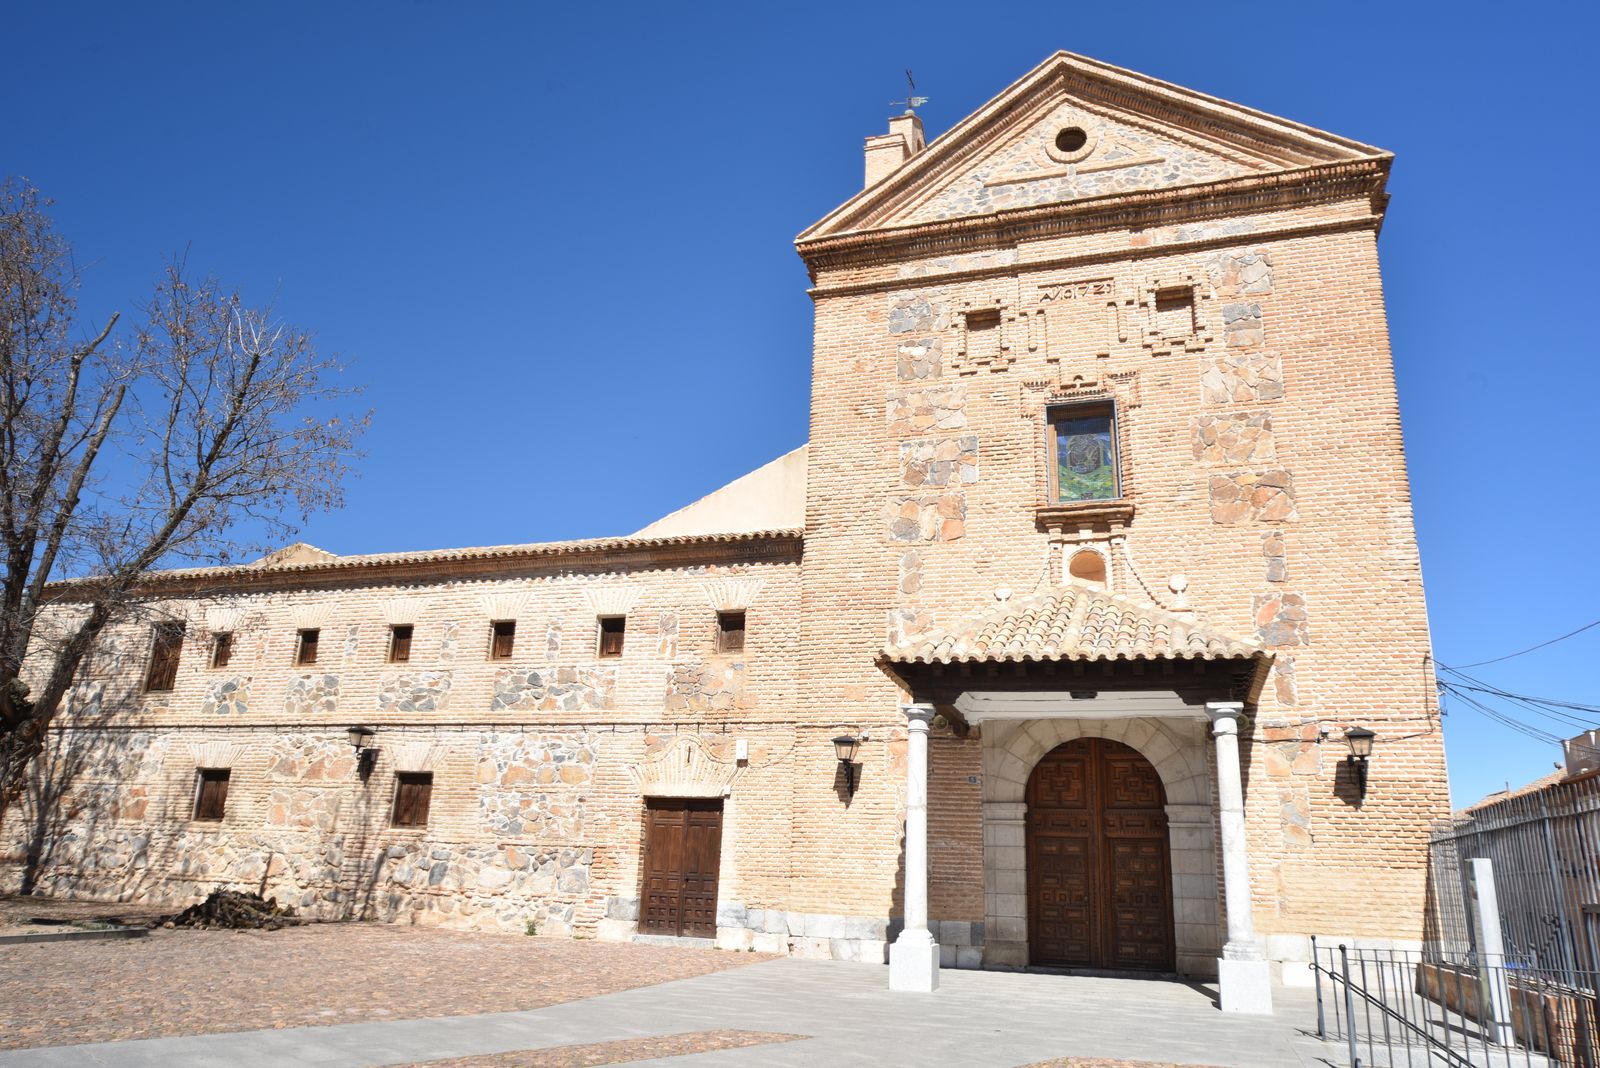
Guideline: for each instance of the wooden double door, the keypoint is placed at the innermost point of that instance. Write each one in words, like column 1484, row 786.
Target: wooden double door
column 1099, row 868
column 682, row 850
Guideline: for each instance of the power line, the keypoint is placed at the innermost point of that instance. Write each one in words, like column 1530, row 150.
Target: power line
column 1543, row 702
column 1527, row 730
column 1498, row 691
column 1467, row 695
column 1531, row 648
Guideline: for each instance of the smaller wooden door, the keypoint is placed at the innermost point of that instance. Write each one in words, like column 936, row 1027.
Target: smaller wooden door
column 682, row 850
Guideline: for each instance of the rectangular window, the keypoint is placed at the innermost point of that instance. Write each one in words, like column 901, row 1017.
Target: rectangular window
column 502, row 639
column 306, row 651
column 165, row 647
column 612, row 629
column 211, row 793
column 983, row 335
column 1175, row 312
column 400, row 643
column 1085, row 444
column 221, row 648
column 412, row 792
column 730, row 632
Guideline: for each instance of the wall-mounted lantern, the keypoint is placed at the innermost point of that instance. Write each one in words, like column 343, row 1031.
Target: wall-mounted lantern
column 1360, row 742
column 845, row 747
column 366, row 751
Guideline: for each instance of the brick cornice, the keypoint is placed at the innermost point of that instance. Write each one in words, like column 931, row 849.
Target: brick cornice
column 1297, row 187
column 461, row 565
column 1090, row 259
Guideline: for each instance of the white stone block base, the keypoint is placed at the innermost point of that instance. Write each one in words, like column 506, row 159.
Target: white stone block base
column 1246, row 986
column 769, row 943
column 1297, row 973
column 609, row 930
column 867, row 951
column 736, row 939
column 914, row 964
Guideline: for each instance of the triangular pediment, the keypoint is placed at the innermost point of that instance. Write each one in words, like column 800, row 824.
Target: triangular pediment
column 299, row 553
column 1072, row 130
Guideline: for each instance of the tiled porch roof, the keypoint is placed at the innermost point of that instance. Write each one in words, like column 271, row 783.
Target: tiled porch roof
column 1073, row 622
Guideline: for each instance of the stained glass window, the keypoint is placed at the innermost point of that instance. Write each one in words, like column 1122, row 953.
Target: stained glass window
column 1086, row 454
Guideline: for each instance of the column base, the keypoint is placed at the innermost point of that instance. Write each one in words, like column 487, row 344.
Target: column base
column 1246, row 985
column 914, row 963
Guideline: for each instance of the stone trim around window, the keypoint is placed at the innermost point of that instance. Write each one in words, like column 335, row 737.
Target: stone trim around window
column 1101, row 514
column 1084, row 515
column 1040, row 399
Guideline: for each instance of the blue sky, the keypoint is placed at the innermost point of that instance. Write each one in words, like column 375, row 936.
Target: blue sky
column 536, row 232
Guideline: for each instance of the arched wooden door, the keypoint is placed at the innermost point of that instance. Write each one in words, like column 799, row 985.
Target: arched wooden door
column 1099, row 866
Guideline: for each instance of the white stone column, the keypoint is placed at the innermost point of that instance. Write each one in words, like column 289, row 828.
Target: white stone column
column 1241, row 972
column 914, row 956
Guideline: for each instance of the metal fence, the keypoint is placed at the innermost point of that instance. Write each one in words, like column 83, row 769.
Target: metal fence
column 1545, row 845
column 1390, row 1008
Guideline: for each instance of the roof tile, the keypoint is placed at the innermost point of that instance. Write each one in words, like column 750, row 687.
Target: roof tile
column 1074, row 622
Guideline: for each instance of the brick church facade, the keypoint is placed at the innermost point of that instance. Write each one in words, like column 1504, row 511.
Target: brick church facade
column 1101, row 542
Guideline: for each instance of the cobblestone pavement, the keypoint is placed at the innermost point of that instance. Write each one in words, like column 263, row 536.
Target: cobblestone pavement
column 203, row 982
column 620, row 1052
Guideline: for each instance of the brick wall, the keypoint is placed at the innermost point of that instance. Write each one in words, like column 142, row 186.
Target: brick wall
column 1264, row 459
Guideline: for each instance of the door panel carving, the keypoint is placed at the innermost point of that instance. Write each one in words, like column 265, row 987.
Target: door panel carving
column 1099, row 868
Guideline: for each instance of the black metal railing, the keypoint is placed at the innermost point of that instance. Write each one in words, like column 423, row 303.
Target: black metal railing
column 1391, row 1007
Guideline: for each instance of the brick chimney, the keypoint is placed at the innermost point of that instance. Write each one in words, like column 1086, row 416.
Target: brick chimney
column 885, row 152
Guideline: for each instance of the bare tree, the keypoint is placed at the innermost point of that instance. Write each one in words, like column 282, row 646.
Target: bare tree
column 185, row 440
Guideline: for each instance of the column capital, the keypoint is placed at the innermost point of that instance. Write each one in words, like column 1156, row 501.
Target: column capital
column 1225, row 716
column 918, row 716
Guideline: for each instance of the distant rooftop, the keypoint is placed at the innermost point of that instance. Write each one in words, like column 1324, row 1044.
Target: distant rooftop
column 772, row 497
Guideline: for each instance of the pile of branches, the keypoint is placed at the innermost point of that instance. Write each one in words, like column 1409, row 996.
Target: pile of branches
column 231, row 910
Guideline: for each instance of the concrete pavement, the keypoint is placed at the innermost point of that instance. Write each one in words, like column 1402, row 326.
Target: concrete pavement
column 977, row 1019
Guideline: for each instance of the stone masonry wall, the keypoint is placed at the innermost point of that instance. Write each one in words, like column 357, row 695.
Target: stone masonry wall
column 535, row 815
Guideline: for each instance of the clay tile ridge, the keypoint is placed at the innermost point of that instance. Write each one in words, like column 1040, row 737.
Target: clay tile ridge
column 1544, row 782
column 1073, row 622
column 304, row 559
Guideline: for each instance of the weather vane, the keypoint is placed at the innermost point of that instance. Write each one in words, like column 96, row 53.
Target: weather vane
column 912, row 101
